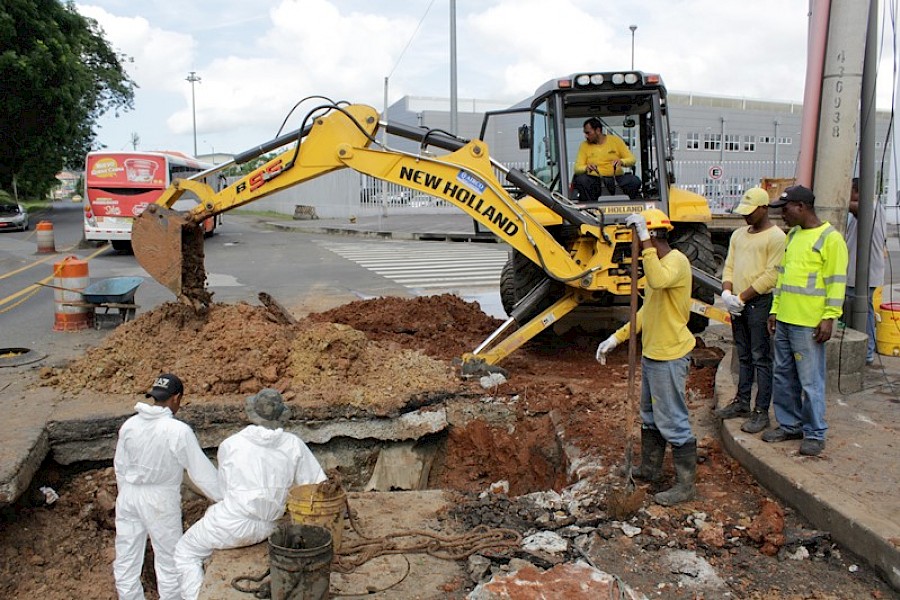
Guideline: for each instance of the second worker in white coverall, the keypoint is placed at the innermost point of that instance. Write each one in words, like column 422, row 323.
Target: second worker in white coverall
column 257, row 468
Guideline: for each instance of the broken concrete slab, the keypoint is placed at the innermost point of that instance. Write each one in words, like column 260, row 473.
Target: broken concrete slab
column 25, row 442
column 396, row 577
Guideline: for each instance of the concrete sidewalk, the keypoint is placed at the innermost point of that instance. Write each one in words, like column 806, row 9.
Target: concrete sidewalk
column 851, row 489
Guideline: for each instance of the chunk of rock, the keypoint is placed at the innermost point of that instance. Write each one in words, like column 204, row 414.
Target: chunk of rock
column 572, row 581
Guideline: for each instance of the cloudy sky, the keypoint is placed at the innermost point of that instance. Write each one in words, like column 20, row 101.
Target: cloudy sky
column 258, row 59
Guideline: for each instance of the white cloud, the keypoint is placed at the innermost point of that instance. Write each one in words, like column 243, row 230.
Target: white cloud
column 160, row 57
column 257, row 59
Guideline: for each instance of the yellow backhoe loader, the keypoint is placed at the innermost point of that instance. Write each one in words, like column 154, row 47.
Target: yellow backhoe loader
column 565, row 252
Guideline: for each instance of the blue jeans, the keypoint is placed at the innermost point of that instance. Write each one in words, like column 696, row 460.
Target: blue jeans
column 662, row 398
column 754, row 349
column 798, row 381
column 870, row 319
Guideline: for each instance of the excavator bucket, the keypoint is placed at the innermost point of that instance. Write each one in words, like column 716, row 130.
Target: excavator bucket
column 169, row 246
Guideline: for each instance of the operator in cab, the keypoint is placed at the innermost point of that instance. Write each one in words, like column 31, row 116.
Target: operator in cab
column 600, row 162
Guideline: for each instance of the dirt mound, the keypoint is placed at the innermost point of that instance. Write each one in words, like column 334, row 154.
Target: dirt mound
column 336, row 364
column 227, row 349
column 443, row 326
column 240, row 348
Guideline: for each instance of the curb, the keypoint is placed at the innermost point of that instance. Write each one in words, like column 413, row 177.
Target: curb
column 849, row 521
column 395, row 235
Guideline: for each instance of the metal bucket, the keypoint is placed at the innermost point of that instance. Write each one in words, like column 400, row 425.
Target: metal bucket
column 300, row 562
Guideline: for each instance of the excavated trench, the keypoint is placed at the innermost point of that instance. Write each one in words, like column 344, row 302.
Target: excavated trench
column 370, row 385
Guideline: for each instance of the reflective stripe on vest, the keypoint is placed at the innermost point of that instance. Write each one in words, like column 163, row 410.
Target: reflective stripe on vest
column 811, row 278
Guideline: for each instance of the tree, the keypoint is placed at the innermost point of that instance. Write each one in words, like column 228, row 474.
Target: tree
column 58, row 75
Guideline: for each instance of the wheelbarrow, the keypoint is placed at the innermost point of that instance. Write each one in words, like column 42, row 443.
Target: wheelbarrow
column 114, row 293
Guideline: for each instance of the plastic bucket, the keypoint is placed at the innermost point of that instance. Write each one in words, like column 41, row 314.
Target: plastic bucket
column 300, row 562
column 887, row 329
column 317, row 504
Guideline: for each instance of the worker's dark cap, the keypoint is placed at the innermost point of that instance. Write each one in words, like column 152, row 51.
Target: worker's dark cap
column 165, row 386
column 795, row 193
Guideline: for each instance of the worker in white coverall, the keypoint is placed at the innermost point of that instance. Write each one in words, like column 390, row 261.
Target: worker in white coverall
column 152, row 453
column 257, row 468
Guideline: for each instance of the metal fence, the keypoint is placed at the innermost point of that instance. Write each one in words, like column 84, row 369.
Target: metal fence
column 346, row 193
column 723, row 184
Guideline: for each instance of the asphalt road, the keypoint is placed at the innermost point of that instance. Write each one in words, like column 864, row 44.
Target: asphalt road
column 243, row 259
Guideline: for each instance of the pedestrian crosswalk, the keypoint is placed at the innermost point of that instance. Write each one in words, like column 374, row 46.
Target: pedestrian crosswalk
column 428, row 265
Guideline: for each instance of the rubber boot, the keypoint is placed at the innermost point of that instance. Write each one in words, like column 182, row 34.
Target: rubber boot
column 685, row 459
column 653, row 451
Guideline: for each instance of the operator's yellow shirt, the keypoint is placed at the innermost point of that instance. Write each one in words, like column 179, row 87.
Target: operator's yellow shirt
column 753, row 259
column 603, row 155
column 666, row 309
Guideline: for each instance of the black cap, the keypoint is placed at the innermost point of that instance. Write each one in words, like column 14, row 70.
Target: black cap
column 795, row 193
column 165, row 386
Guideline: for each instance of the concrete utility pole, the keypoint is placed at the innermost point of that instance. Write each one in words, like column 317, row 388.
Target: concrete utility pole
column 194, row 78
column 839, row 114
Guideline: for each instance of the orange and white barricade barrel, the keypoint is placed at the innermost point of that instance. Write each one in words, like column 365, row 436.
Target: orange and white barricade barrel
column 70, row 279
column 45, row 243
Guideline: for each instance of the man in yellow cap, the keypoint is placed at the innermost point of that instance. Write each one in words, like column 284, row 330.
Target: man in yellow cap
column 666, row 344
column 751, row 267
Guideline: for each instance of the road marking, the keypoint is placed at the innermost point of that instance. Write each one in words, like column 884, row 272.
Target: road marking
column 35, row 287
column 422, row 265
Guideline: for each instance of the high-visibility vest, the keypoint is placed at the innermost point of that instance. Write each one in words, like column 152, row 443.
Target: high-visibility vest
column 812, row 276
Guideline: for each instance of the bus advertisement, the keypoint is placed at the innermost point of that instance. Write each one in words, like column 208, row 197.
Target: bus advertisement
column 120, row 185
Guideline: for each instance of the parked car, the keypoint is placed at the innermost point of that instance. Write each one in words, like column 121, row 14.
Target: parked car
column 13, row 216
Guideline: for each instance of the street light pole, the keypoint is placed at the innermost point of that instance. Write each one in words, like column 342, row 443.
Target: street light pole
column 632, row 28
column 194, row 78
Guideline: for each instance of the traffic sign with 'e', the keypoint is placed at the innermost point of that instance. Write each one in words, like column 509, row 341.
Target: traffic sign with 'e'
column 716, row 172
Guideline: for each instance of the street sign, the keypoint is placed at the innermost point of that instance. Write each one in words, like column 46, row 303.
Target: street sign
column 716, row 172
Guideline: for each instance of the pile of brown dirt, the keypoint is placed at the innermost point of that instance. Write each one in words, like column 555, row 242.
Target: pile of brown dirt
column 444, row 326
column 239, row 349
column 333, row 363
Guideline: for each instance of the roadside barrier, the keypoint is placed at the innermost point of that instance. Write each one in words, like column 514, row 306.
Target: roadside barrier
column 45, row 242
column 70, row 278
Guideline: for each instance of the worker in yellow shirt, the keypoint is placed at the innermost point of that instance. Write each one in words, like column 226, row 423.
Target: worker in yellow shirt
column 666, row 342
column 751, row 268
column 809, row 296
column 598, row 166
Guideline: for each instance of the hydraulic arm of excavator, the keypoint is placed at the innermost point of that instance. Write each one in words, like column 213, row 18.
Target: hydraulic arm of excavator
column 169, row 244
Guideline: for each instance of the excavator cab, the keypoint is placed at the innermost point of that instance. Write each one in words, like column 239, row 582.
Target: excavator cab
column 632, row 106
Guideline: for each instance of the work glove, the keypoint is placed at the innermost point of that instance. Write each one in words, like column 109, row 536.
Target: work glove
column 732, row 302
column 640, row 226
column 605, row 347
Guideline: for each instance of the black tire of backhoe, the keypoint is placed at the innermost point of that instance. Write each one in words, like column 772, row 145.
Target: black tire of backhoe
column 694, row 241
column 518, row 277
